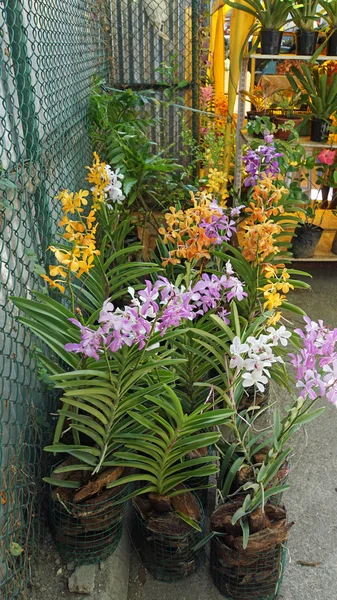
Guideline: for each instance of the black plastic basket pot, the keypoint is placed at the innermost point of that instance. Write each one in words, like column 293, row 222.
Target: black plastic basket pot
column 166, row 556
column 305, row 240
column 239, row 575
column 319, row 130
column 88, row 532
column 334, row 245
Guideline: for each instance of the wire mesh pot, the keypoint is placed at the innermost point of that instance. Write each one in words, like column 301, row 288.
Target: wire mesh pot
column 167, row 550
column 89, row 532
column 253, row 573
column 239, row 575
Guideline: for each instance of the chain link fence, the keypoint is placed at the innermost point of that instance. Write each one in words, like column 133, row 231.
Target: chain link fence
column 156, row 46
column 50, row 51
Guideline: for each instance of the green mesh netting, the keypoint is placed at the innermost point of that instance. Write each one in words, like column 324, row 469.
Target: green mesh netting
column 49, row 52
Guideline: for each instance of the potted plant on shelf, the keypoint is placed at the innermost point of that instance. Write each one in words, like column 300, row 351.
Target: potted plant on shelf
column 321, row 90
column 304, row 14
column 261, row 98
column 286, row 102
column 307, row 234
column 329, row 14
column 119, row 123
column 271, row 16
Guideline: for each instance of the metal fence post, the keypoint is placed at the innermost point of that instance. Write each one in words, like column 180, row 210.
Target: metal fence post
column 195, row 67
column 18, row 45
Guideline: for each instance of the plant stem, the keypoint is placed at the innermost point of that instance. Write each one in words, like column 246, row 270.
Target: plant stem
column 72, row 297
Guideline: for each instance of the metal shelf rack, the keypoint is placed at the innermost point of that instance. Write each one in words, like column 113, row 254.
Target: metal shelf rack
column 323, row 254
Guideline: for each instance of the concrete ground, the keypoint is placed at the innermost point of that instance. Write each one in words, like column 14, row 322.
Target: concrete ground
column 311, row 500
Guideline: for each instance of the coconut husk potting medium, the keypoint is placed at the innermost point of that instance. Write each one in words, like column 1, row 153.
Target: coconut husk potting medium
column 166, row 542
column 246, row 473
column 87, row 522
column 253, row 573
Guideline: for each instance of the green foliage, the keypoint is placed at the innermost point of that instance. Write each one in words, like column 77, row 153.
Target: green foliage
column 214, row 351
column 248, row 440
column 115, row 269
column 195, row 369
column 120, row 124
column 321, row 93
column 103, row 400
column 164, row 443
column 263, row 482
column 288, row 101
column 171, row 82
column 305, row 13
column 271, row 14
column 329, row 12
column 251, row 276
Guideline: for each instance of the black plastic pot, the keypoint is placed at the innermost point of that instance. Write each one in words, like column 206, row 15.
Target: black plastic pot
column 319, row 130
column 270, row 41
column 334, row 245
column 332, row 44
column 306, row 42
column 305, row 240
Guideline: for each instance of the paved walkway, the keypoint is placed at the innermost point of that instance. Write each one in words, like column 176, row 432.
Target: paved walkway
column 311, row 501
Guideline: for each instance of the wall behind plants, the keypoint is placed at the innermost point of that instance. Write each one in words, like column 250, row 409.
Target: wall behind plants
column 49, row 51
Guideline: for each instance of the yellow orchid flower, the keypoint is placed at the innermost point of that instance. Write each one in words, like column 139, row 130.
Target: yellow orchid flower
column 53, row 284
column 55, row 270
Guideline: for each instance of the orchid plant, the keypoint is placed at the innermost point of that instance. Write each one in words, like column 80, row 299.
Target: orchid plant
column 122, row 352
column 253, row 355
column 195, row 231
column 163, row 450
